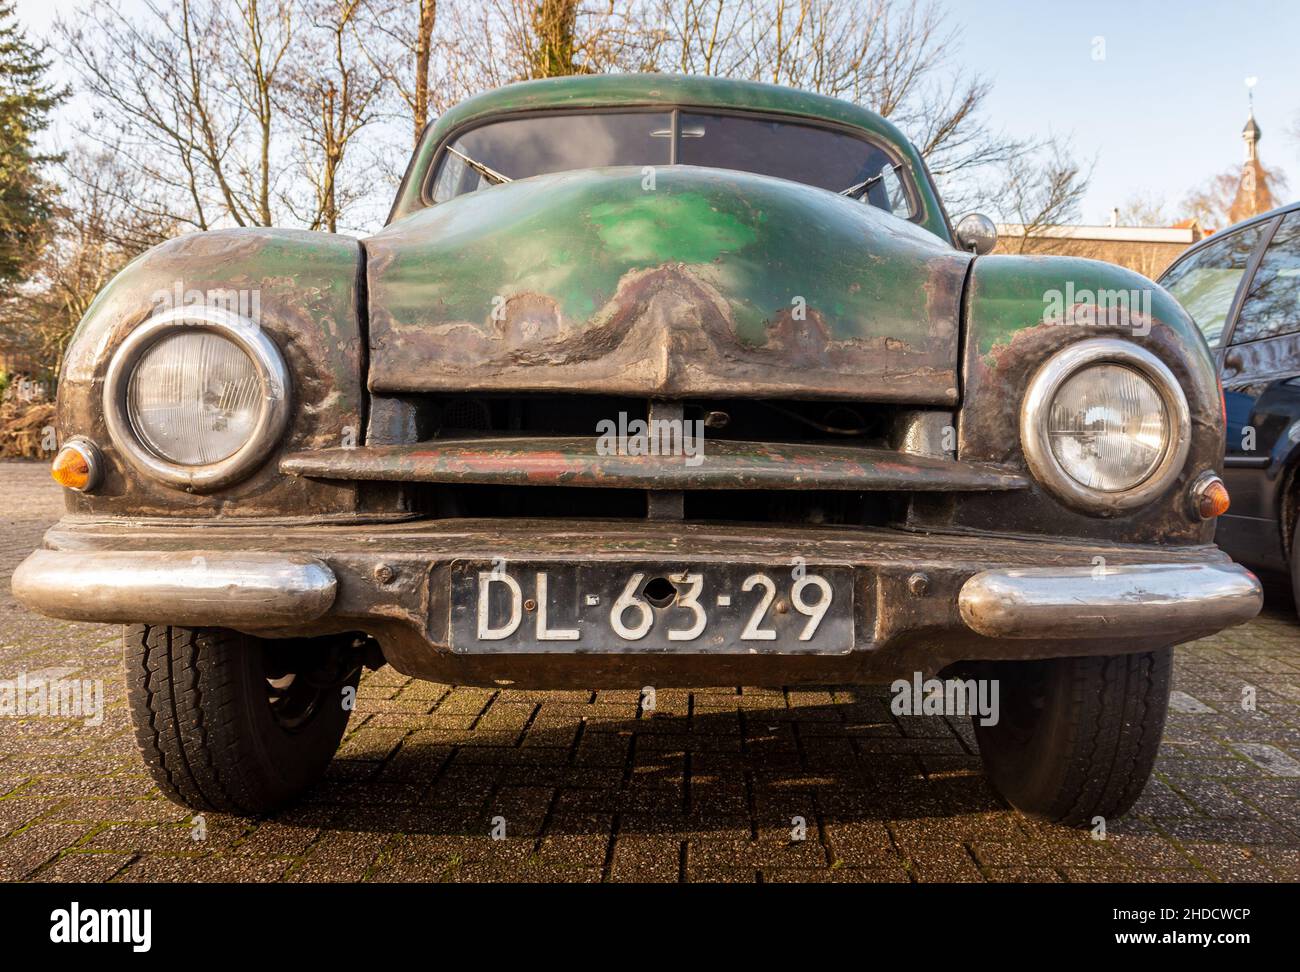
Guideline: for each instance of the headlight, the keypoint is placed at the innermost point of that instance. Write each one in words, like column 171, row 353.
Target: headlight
column 196, row 397
column 1105, row 425
column 193, row 398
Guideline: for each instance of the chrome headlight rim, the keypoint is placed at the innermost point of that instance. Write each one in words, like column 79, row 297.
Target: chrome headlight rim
column 273, row 408
column 1035, row 410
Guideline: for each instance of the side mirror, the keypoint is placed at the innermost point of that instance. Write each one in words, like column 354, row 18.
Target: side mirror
column 976, row 232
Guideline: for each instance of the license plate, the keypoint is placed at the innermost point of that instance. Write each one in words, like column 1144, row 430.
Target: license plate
column 651, row 607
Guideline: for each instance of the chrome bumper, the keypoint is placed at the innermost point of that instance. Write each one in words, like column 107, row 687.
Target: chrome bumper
column 220, row 590
column 234, row 589
column 1092, row 602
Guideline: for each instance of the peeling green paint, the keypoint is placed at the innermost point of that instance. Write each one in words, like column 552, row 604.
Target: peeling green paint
column 721, row 464
column 1011, row 292
column 545, row 270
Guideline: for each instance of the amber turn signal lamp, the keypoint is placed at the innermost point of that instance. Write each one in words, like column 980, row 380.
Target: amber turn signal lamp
column 1210, row 497
column 77, row 466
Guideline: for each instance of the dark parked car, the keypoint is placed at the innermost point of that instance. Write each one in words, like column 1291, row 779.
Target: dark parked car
column 474, row 446
column 1242, row 287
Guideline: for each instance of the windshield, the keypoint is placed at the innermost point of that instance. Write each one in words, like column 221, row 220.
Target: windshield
column 534, row 145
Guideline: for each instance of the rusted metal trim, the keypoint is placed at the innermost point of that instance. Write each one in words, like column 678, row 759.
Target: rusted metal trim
column 666, row 504
column 576, row 461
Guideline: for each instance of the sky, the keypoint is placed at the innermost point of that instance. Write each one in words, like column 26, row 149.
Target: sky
column 1151, row 92
column 1163, row 111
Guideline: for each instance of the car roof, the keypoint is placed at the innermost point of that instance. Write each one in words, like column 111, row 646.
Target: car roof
column 649, row 90
column 609, row 90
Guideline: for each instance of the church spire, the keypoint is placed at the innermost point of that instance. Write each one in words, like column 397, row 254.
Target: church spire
column 1253, row 196
column 1251, row 135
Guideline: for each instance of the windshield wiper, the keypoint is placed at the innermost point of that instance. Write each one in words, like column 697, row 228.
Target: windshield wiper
column 858, row 188
column 486, row 171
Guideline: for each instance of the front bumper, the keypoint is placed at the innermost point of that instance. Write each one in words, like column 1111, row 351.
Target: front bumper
column 215, row 589
column 922, row 601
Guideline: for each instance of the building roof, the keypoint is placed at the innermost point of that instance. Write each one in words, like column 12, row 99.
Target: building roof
column 1189, row 231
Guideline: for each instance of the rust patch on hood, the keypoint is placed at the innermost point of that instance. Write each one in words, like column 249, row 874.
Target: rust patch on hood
column 665, row 332
column 717, row 283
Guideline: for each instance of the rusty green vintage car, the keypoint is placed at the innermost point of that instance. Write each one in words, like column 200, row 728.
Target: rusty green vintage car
column 648, row 381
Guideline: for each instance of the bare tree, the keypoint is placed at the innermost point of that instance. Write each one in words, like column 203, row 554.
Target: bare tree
column 261, row 35
column 246, row 112
column 554, row 25
column 397, row 39
column 1210, row 202
column 1039, row 191
column 896, row 57
column 330, row 93
column 706, row 37
column 188, row 92
column 1143, row 209
column 423, row 50
column 96, row 231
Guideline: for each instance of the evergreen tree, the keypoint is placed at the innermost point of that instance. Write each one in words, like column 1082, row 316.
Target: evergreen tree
column 27, row 198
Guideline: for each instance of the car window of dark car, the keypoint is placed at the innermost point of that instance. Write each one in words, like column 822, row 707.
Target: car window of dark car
column 557, row 142
column 1206, row 282
column 1272, row 307
column 820, row 157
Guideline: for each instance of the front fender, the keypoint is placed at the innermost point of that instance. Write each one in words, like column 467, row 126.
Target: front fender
column 1019, row 310
column 303, row 289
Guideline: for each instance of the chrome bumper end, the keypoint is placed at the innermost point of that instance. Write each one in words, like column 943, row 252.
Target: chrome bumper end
column 1097, row 602
column 193, row 588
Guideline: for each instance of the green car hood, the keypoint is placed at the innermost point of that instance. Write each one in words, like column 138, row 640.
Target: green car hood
column 666, row 283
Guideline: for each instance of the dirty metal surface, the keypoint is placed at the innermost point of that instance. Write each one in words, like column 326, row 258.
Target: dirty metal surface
column 305, row 289
column 723, row 464
column 715, row 283
column 405, row 605
column 1009, row 333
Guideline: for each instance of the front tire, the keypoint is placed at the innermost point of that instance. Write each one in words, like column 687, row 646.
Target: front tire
column 1077, row 737
column 219, row 721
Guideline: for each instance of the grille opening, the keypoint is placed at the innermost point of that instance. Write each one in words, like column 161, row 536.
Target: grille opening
column 430, row 417
column 539, row 502
column 458, row 416
column 793, row 507
column 767, row 420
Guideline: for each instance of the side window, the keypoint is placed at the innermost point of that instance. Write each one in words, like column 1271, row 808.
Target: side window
column 1206, row 283
column 896, row 200
column 1272, row 308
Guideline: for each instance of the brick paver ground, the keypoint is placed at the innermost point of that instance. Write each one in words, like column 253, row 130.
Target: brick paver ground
column 589, row 787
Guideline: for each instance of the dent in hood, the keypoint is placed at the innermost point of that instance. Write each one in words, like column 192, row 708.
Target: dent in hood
column 712, row 282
